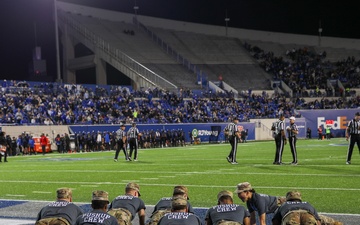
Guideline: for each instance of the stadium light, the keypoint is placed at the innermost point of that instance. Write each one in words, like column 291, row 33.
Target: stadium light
column 136, row 8
column 320, row 30
column 227, row 19
column 58, row 73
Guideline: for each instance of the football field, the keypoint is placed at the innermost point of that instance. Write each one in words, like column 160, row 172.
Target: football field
column 321, row 176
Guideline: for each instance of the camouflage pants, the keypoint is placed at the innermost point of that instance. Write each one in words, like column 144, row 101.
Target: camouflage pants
column 156, row 216
column 52, row 221
column 325, row 220
column 299, row 217
column 224, row 222
column 123, row 216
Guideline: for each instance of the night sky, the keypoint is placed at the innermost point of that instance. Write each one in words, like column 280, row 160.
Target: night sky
column 17, row 19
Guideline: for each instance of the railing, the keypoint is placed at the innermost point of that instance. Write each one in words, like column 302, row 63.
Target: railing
column 116, row 54
column 202, row 77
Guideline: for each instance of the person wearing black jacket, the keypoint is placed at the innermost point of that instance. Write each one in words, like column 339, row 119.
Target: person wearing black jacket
column 3, row 147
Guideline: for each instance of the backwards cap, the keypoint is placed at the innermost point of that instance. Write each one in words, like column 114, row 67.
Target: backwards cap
column 178, row 202
column 181, row 190
column 224, row 193
column 293, row 195
column 133, row 186
column 100, row 196
column 241, row 187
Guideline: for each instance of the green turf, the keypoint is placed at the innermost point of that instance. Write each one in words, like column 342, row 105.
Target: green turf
column 322, row 176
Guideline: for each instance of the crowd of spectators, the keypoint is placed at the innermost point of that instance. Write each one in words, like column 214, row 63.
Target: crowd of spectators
column 61, row 104
column 306, row 72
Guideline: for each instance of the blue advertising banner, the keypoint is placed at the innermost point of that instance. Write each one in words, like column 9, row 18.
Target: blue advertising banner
column 336, row 119
column 204, row 131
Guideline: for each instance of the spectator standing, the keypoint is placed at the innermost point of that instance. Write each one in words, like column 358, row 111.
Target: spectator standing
column 133, row 134
column 43, row 143
column 124, row 207
column 234, row 137
column 227, row 211
column 98, row 216
column 280, row 139
column 58, row 143
column 308, row 133
column 320, row 135
column 264, row 205
column 121, row 143
column 3, row 147
column 179, row 214
column 353, row 134
column 293, row 131
column 98, row 141
column 32, row 145
column 62, row 211
column 328, row 132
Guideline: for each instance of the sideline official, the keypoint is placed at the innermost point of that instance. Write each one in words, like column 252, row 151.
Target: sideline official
column 133, row 134
column 280, row 139
column 353, row 136
column 234, row 136
column 121, row 143
column 293, row 131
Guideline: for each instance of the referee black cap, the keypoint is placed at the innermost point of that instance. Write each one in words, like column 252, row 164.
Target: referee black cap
column 357, row 114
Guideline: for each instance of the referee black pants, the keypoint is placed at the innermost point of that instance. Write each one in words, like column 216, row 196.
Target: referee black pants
column 280, row 142
column 133, row 144
column 233, row 142
column 354, row 138
column 292, row 143
column 120, row 146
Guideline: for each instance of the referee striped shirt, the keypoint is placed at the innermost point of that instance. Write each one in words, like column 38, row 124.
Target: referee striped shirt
column 353, row 127
column 280, row 126
column 133, row 132
column 292, row 127
column 232, row 129
column 120, row 134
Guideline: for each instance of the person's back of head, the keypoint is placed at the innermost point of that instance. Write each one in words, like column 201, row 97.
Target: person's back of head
column 181, row 191
column 100, row 200
column 225, row 197
column 64, row 194
column 133, row 189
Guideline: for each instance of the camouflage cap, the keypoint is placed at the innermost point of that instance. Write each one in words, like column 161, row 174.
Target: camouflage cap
column 293, row 195
column 241, row 187
column 181, row 190
column 224, row 193
column 133, row 186
column 100, row 195
column 179, row 201
column 62, row 193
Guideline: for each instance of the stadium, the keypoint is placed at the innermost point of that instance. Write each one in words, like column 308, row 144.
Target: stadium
column 185, row 82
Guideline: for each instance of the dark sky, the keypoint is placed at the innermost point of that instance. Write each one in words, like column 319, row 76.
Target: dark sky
column 17, row 19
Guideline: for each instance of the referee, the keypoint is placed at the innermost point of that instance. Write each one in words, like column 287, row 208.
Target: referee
column 234, row 135
column 280, row 139
column 353, row 132
column 292, row 131
column 121, row 143
column 133, row 134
